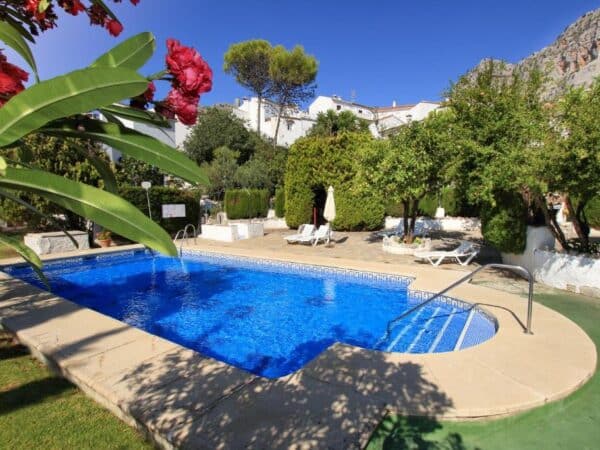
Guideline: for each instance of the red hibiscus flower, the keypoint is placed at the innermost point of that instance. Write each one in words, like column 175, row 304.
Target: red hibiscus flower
column 11, row 80
column 192, row 74
column 184, row 106
column 114, row 27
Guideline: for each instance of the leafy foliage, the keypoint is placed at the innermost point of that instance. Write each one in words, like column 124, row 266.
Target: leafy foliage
column 219, row 127
column 409, row 165
column 131, row 172
column 280, row 202
column 331, row 123
column 316, row 163
column 504, row 225
column 162, row 195
column 221, row 171
column 246, row 203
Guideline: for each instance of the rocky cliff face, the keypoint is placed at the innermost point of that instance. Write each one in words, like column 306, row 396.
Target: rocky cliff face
column 572, row 60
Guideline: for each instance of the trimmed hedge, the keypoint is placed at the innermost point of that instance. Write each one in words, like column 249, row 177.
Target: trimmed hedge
column 280, row 202
column 165, row 195
column 317, row 162
column 246, row 203
column 505, row 225
column 592, row 212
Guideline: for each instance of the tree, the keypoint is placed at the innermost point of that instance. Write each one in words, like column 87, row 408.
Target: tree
column 131, row 172
column 249, row 62
column 221, row 171
column 218, row 127
column 331, row 123
column 574, row 166
column 410, row 164
column 292, row 74
column 265, row 170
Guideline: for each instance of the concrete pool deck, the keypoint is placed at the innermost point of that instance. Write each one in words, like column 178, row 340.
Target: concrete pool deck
column 184, row 399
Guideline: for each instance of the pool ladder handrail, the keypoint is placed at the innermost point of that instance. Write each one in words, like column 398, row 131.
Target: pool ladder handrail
column 524, row 272
column 184, row 236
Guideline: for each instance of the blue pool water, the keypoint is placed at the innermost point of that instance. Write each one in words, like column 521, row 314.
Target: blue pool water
column 267, row 318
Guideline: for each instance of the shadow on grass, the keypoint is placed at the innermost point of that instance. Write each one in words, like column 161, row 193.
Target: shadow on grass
column 400, row 433
column 32, row 393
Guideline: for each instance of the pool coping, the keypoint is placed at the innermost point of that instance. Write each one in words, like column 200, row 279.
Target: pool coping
column 178, row 396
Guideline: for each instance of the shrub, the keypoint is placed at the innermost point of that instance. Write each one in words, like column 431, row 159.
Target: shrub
column 318, row 162
column 246, row 203
column 165, row 195
column 505, row 224
column 280, row 202
column 592, row 212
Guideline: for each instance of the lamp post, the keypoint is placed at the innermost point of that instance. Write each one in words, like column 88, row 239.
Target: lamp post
column 146, row 185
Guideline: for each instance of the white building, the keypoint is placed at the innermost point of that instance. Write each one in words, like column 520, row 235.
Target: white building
column 296, row 123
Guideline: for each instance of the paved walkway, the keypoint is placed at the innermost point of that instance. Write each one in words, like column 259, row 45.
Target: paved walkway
column 186, row 400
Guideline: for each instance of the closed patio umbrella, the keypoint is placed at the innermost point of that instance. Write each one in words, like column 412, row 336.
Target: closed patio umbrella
column 329, row 212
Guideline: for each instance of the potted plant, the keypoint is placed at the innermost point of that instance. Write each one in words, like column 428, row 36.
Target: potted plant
column 103, row 238
column 398, row 246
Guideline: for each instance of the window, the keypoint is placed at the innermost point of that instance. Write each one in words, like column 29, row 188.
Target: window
column 338, row 107
column 360, row 111
column 290, row 124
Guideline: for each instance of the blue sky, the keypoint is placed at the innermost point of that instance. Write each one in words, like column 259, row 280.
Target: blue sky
column 381, row 50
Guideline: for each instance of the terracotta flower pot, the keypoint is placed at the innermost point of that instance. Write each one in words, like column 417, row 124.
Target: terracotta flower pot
column 104, row 242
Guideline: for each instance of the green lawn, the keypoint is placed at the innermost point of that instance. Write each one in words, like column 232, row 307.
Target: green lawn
column 572, row 423
column 38, row 410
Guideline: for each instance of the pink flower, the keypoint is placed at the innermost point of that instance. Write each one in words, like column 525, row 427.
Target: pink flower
column 184, row 106
column 11, row 80
column 192, row 74
column 114, row 27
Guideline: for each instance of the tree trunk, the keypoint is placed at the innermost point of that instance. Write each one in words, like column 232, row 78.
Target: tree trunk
column 413, row 216
column 258, row 114
column 279, row 114
column 576, row 215
column 405, row 213
column 551, row 222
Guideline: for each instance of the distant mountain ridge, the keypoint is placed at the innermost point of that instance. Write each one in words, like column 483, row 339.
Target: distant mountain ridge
column 571, row 60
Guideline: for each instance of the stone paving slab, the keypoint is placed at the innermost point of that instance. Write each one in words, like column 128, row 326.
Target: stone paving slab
column 188, row 400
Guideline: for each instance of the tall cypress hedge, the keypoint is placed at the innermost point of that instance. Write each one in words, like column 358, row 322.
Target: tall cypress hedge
column 165, row 195
column 280, row 202
column 318, row 162
column 246, row 203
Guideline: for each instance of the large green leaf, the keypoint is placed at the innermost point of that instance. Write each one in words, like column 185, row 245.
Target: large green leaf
column 77, row 92
column 27, row 254
column 136, row 115
column 132, row 53
column 107, row 209
column 132, row 143
column 15, row 40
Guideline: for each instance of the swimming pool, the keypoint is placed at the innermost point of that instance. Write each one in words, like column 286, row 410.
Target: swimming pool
column 269, row 318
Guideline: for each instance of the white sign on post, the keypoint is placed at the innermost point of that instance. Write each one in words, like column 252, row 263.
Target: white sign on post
column 175, row 210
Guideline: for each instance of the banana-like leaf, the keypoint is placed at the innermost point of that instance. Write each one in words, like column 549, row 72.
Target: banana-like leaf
column 75, row 93
column 107, row 209
column 101, row 166
column 15, row 40
column 34, row 210
column 27, row 254
column 132, row 53
column 137, row 145
column 16, row 23
column 137, row 115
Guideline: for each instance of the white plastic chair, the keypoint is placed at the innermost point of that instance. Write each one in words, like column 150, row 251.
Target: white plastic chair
column 463, row 254
column 305, row 231
column 322, row 234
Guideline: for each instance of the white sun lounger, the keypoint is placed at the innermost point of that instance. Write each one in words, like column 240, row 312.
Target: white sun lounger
column 463, row 254
column 322, row 234
column 304, row 231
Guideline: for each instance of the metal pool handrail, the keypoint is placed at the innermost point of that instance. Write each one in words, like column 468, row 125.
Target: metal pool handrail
column 519, row 269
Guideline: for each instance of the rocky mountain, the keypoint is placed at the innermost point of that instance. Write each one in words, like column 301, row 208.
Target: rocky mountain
column 571, row 60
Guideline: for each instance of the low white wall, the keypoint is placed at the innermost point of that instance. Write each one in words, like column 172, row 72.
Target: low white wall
column 573, row 273
column 56, row 242
column 224, row 233
column 444, row 224
column 248, row 230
